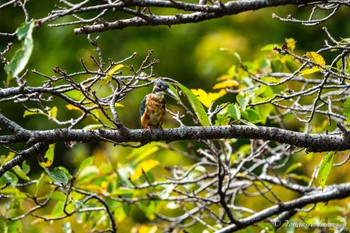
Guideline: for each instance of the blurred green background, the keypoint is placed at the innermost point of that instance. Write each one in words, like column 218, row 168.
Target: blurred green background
column 188, row 53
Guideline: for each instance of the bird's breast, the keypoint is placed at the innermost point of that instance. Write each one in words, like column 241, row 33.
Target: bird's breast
column 154, row 112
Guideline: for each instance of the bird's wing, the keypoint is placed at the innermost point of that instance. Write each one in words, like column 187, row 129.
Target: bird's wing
column 143, row 106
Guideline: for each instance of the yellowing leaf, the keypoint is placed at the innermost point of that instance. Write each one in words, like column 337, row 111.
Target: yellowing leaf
column 144, row 166
column 325, row 168
column 196, row 105
column 49, row 156
column 316, row 58
column 311, row 70
column 119, row 105
column 207, row 98
column 53, row 112
column 290, row 42
column 109, row 74
column 72, row 107
column 226, row 84
column 32, row 111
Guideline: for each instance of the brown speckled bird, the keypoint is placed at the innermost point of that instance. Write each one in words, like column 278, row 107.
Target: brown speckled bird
column 152, row 110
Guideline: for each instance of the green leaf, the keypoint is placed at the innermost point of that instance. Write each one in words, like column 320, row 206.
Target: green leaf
column 93, row 127
column 346, row 109
column 57, row 175
column 86, row 162
column 20, row 173
column 9, row 177
column 43, row 180
column 236, row 57
column 251, row 115
column 264, row 111
column 243, row 101
column 7, row 226
column 234, row 111
column 57, row 195
column 49, row 156
column 22, row 55
column 325, row 168
column 196, row 105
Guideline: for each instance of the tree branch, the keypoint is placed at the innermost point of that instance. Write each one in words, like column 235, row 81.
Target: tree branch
column 331, row 193
column 312, row 142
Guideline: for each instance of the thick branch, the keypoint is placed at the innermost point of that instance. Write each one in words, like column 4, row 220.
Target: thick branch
column 331, row 193
column 313, row 142
column 201, row 13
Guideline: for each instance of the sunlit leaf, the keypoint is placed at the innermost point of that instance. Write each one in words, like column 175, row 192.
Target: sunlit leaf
column 9, row 177
column 86, row 162
column 144, row 166
column 33, row 111
column 325, row 168
column 234, row 111
column 120, row 214
column 57, row 195
column 207, row 98
column 43, row 180
column 315, row 57
column 109, row 74
column 269, row 47
column 246, row 122
column 72, row 107
column 12, row 192
column 293, row 167
column 346, row 109
column 20, row 173
column 118, row 105
column 9, row 226
column 226, row 84
column 141, row 153
column 251, row 115
column 57, row 175
column 53, row 112
column 290, row 43
column 311, row 70
column 145, row 229
column 236, row 57
column 93, row 127
column 196, row 105
column 22, row 55
column 242, row 101
column 48, row 157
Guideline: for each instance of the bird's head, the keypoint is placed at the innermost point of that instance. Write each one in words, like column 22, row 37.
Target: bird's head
column 161, row 87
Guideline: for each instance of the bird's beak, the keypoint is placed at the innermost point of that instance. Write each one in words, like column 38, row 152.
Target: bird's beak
column 172, row 94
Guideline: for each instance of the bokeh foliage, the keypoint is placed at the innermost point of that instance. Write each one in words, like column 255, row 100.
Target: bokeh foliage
column 199, row 56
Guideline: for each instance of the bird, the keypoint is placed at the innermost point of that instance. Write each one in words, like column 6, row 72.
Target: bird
column 152, row 109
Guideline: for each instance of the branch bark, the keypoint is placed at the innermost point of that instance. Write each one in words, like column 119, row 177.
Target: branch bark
column 331, row 193
column 201, row 13
column 312, row 142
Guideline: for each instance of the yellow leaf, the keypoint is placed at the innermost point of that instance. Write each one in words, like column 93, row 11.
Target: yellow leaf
column 53, row 112
column 145, row 229
column 49, row 156
column 207, row 98
column 144, row 166
column 224, row 77
column 291, row 44
column 226, row 84
column 72, row 107
column 114, row 69
column 316, row 58
column 311, row 70
column 118, row 105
